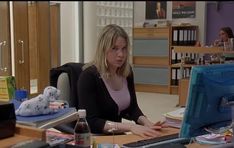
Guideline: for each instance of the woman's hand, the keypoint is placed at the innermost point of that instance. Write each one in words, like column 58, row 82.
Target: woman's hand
column 144, row 131
column 217, row 43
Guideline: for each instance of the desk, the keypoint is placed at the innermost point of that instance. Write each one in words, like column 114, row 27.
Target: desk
column 23, row 133
column 122, row 139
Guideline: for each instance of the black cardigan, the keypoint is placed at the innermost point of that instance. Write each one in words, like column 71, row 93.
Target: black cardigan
column 95, row 98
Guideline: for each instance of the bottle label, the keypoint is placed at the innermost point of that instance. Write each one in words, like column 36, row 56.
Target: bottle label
column 82, row 140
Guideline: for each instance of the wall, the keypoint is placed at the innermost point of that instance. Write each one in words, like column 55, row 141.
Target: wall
column 69, row 27
column 69, row 32
column 218, row 15
column 139, row 16
column 90, row 30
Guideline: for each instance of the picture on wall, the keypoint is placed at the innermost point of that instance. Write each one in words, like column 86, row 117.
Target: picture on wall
column 156, row 10
column 182, row 9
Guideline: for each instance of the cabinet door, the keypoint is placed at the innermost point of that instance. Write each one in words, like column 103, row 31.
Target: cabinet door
column 21, row 48
column 5, row 48
column 55, row 34
column 39, row 46
column 43, row 24
column 32, row 45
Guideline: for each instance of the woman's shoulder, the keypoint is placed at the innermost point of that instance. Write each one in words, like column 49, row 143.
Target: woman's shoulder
column 90, row 70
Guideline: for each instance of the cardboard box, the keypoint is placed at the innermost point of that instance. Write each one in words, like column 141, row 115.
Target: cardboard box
column 7, row 88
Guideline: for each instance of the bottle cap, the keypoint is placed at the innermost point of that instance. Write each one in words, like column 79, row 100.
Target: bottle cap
column 82, row 113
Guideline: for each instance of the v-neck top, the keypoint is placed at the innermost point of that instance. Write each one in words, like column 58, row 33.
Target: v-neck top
column 121, row 97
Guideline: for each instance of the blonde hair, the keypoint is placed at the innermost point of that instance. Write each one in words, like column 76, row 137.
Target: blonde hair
column 106, row 41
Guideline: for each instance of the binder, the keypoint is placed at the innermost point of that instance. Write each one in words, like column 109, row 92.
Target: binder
column 185, row 37
column 179, row 57
column 177, row 76
column 175, row 36
column 194, row 37
column 173, row 57
column 173, row 76
column 181, row 39
column 189, row 37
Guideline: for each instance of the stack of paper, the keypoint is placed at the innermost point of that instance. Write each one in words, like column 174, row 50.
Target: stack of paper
column 56, row 138
column 174, row 118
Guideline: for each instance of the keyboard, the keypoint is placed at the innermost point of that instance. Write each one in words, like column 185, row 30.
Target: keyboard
column 160, row 142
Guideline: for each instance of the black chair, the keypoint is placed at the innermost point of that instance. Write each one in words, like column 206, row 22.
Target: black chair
column 65, row 78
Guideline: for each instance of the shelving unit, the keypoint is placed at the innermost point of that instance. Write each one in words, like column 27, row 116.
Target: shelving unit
column 151, row 59
column 184, row 81
column 154, row 58
column 182, row 36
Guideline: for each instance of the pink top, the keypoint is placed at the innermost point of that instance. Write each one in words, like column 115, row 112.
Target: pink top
column 121, row 97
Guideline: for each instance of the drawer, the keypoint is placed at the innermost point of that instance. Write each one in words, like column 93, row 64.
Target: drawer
column 154, row 76
column 151, row 32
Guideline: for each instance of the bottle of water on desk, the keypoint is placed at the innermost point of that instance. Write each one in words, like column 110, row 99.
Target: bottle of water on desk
column 82, row 132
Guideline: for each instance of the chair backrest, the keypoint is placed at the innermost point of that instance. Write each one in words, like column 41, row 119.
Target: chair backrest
column 63, row 85
column 65, row 78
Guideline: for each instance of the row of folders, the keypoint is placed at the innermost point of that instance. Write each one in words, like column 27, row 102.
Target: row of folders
column 178, row 73
column 176, row 57
column 186, row 36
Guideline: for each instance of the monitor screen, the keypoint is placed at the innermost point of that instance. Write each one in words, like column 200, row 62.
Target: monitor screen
column 211, row 87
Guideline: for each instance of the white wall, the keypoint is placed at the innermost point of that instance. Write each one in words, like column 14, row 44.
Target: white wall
column 70, row 27
column 69, row 32
column 139, row 16
column 90, row 30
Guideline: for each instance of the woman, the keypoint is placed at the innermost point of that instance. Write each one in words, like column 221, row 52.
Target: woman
column 225, row 34
column 106, row 88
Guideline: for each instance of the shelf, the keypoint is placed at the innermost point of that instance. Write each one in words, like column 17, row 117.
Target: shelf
column 151, row 61
column 193, row 49
column 151, row 33
column 178, row 65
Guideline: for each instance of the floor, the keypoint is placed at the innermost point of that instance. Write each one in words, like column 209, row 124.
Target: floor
column 154, row 105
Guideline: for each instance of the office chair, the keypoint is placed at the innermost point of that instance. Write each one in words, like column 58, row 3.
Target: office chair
column 65, row 78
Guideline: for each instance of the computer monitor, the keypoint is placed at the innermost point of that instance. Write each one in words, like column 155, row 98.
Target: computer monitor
column 211, row 88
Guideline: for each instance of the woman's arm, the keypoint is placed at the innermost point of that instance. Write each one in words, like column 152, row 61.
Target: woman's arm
column 87, row 94
column 140, row 130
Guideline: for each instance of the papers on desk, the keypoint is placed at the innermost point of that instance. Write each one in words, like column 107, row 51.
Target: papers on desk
column 211, row 139
column 47, row 121
column 55, row 138
column 174, row 118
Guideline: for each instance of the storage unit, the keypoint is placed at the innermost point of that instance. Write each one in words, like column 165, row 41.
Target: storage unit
column 151, row 59
column 154, row 57
column 201, row 53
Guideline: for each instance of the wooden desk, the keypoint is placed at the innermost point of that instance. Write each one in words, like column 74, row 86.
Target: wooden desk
column 23, row 133
column 122, row 139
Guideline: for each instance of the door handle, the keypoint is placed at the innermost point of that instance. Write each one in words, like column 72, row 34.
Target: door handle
column 21, row 42
column 2, row 68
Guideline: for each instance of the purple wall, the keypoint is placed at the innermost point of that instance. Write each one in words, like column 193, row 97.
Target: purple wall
column 217, row 18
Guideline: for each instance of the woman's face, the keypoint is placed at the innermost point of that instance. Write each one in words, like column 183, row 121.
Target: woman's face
column 223, row 36
column 116, row 56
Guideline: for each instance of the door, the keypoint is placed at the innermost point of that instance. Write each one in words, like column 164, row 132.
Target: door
column 21, row 44
column 32, row 45
column 55, row 34
column 5, row 48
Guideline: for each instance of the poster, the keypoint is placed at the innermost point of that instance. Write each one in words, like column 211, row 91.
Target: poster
column 182, row 9
column 156, row 10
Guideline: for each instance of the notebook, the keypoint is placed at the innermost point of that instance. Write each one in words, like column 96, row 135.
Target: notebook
column 64, row 115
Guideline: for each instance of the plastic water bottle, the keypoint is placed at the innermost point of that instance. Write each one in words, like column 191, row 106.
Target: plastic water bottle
column 82, row 131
